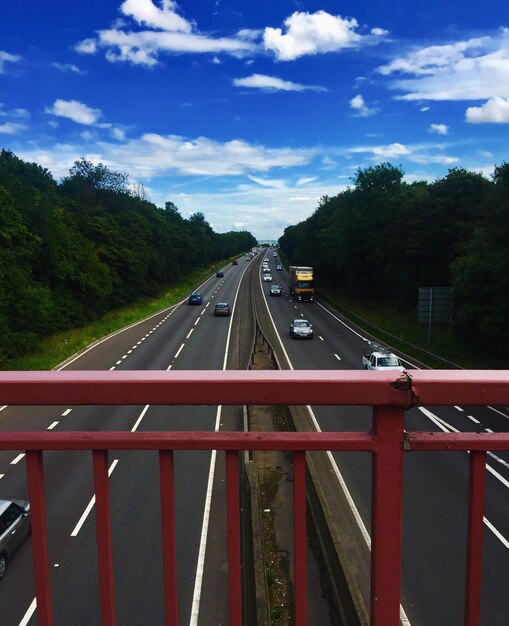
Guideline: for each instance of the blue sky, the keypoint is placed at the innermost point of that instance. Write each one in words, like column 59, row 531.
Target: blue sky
column 251, row 111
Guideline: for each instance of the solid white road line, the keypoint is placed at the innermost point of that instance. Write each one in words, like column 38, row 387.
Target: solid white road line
column 86, row 512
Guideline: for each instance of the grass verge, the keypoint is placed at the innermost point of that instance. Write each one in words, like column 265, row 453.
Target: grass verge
column 55, row 349
column 404, row 326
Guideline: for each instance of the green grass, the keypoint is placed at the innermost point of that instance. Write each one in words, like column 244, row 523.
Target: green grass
column 55, row 349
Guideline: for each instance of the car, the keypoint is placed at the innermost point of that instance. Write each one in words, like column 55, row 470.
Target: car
column 267, row 278
column 301, row 328
column 195, row 298
column 235, row 262
column 222, row 308
column 14, row 527
column 219, row 274
column 266, row 270
column 279, row 267
column 275, row 290
column 274, row 254
column 379, row 359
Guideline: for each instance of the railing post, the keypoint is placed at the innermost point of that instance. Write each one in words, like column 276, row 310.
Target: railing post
column 475, row 538
column 104, row 538
column 167, row 482
column 35, row 471
column 386, row 515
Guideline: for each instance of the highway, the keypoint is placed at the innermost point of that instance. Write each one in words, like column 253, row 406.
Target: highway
column 435, row 484
column 181, row 337
column 190, row 337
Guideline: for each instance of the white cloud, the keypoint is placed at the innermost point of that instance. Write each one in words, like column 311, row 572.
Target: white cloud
column 271, row 183
column 440, row 129
column 306, row 180
column 358, row 104
column 10, row 128
column 314, row 33
column 379, row 32
column 391, row 151
column 272, row 84
column 118, row 133
column 5, row 57
column 467, row 70
column 87, row 46
column 145, row 12
column 75, row 111
column 68, row 67
column 153, row 156
column 19, row 113
column 496, row 110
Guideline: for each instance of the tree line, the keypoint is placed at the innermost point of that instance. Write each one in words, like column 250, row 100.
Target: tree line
column 72, row 250
column 382, row 239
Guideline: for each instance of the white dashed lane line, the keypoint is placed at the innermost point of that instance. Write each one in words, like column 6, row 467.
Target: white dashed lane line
column 52, row 426
column 17, row 459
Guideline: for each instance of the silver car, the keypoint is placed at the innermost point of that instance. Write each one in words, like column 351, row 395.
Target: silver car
column 301, row 328
column 14, row 527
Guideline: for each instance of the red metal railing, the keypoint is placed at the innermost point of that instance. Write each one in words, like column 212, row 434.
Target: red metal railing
column 387, row 441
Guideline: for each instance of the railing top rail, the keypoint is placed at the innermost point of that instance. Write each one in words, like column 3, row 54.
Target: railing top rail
column 236, row 387
column 237, row 440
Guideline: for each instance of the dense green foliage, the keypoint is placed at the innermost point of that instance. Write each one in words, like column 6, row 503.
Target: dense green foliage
column 383, row 238
column 73, row 250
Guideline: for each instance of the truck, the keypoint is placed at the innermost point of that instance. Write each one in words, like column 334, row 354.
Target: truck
column 380, row 359
column 301, row 283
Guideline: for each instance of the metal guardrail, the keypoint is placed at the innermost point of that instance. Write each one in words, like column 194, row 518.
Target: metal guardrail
column 387, row 442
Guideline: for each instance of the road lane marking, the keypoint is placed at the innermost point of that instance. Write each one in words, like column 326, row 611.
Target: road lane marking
column 29, row 613
column 66, row 412
column 337, row 357
column 198, row 581
column 137, row 423
column 17, row 459
column 52, row 426
column 179, row 350
column 90, row 505
column 471, row 417
column 444, row 426
column 189, row 333
column 496, row 532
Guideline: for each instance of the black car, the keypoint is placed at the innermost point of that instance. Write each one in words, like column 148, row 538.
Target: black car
column 222, row 308
column 219, row 274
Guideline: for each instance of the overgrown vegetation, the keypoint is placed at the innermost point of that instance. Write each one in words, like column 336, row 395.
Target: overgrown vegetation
column 70, row 252
column 376, row 243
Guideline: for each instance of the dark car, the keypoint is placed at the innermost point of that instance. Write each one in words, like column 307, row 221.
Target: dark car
column 195, row 298
column 222, row 308
column 301, row 328
column 275, row 290
column 14, row 527
column 235, row 262
column 219, row 274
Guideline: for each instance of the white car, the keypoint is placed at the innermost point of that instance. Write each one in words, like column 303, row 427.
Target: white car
column 267, row 278
column 381, row 361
